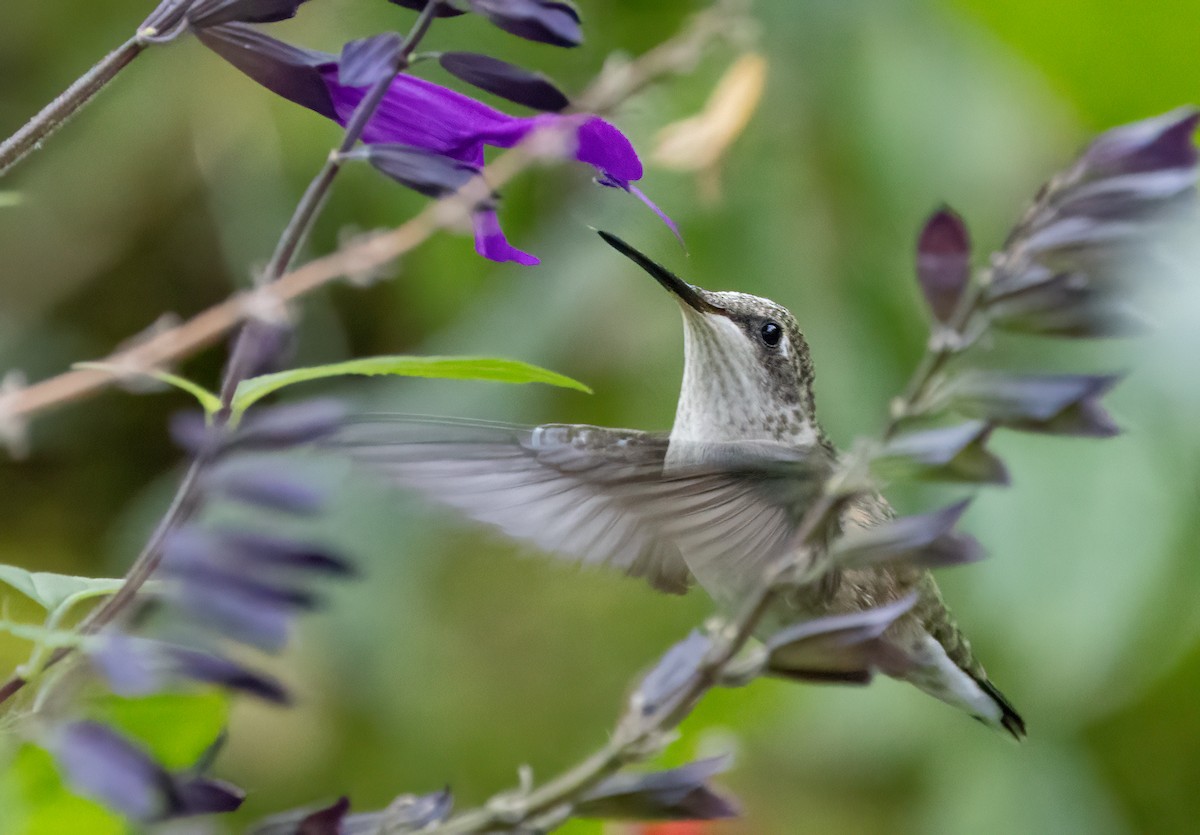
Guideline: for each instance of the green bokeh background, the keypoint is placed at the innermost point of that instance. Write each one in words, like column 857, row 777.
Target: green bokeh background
column 457, row 659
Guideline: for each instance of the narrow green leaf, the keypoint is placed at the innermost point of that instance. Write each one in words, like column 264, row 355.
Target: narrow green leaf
column 208, row 401
column 52, row 638
column 446, row 368
column 52, row 590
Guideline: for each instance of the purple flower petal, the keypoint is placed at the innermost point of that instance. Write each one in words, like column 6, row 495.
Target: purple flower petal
column 599, row 143
column 367, row 61
column 99, row 763
column 425, row 172
column 491, row 243
column 663, row 216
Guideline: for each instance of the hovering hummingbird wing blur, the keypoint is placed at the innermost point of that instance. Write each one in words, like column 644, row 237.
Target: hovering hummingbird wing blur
column 596, row 495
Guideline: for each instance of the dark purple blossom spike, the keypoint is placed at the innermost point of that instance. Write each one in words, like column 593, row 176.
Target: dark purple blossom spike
column 1059, row 404
column 370, row 60
column 844, row 649
column 432, row 175
column 99, row 763
column 928, row 541
column 672, row 672
column 546, row 21
column 505, row 80
column 951, row 453
column 678, row 794
column 285, row 70
column 270, row 489
column 943, row 262
column 1092, row 232
column 213, row 12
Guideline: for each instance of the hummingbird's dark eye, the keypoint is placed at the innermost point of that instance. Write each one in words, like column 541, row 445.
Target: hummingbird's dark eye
column 771, row 333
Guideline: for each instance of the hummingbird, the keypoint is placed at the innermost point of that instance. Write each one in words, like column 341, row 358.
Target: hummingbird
column 713, row 502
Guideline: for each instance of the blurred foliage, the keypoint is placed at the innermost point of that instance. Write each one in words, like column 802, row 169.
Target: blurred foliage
column 456, row 661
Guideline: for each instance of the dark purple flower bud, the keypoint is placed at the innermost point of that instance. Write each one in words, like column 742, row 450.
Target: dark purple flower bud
column 1066, row 304
column 928, row 541
column 370, row 60
column 285, row 70
column 425, row 172
column 268, row 344
column 1059, row 404
column 291, row 425
column 274, row 490
column 205, row 796
column 678, row 794
column 546, row 21
column 846, row 649
column 951, row 453
column 943, row 262
column 1150, row 145
column 269, row 552
column 229, row 599
column 99, row 763
column 191, row 431
column 212, row 669
column 444, row 10
column 213, row 12
column 329, row 820
column 415, row 811
column 506, row 80
column 673, row 670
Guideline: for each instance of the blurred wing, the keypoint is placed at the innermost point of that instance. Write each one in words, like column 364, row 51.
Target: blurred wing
column 592, row 494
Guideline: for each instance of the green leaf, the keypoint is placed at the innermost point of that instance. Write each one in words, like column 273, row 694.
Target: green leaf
column 53, row 590
column 446, row 368
column 207, row 400
column 175, row 728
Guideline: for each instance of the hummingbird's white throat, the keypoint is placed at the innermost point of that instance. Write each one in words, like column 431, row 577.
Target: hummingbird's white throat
column 737, row 389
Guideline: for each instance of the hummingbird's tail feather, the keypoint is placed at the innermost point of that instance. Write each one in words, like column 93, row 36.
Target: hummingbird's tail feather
column 1010, row 720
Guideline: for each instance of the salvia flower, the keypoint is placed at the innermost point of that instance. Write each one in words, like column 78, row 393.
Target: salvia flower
column 421, row 115
column 928, row 540
column 100, row 763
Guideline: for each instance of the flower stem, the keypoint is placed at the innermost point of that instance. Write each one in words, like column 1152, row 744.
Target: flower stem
column 54, row 115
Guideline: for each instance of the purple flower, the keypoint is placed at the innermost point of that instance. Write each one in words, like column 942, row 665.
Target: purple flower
column 423, row 115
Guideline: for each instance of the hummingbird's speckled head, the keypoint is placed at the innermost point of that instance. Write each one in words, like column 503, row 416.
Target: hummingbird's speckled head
column 747, row 372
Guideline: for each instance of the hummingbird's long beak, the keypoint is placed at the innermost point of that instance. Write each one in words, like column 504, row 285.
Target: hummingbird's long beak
column 683, row 291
